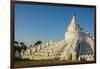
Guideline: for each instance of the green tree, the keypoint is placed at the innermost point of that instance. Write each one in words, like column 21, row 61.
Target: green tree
column 23, row 46
column 37, row 43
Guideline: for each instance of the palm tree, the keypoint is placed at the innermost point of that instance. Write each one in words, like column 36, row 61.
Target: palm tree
column 17, row 49
column 37, row 43
column 16, row 46
column 23, row 46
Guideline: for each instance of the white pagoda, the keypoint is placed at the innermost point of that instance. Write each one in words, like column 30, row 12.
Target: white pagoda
column 76, row 46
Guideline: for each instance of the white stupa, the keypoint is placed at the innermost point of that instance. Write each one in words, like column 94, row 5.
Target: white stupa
column 76, row 46
column 80, row 45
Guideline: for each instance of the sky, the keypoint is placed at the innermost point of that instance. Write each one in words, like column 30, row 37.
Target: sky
column 45, row 23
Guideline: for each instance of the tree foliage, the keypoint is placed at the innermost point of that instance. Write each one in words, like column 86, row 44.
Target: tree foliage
column 19, row 46
column 37, row 43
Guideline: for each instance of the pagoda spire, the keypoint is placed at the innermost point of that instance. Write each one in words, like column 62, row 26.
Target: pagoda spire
column 74, row 15
column 74, row 12
column 73, row 26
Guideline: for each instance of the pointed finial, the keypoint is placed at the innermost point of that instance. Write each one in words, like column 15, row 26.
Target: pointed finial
column 74, row 12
